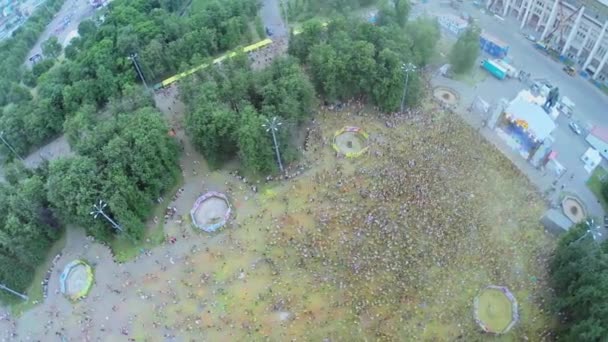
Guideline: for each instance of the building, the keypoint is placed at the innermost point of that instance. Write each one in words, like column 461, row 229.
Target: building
column 598, row 139
column 576, row 29
column 591, row 159
column 452, row 23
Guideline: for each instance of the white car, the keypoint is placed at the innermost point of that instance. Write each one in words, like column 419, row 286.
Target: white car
column 530, row 38
column 574, row 127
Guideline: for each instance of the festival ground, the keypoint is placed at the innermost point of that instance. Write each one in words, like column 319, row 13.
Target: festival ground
column 394, row 244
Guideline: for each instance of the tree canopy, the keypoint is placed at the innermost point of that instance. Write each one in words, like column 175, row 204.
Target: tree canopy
column 97, row 69
column 51, row 48
column 28, row 227
column 579, row 275
column 353, row 58
column 129, row 182
column 465, row 51
column 227, row 107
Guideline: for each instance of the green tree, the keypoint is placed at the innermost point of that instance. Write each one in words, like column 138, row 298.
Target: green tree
column 73, row 186
column 579, row 275
column 254, row 143
column 51, row 48
column 465, row 51
column 425, row 34
column 604, row 190
column 213, row 128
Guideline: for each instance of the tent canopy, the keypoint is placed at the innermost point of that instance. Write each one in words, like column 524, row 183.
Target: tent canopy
column 538, row 121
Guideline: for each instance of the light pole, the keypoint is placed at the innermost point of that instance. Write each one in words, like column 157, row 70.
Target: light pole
column 10, row 147
column 407, row 68
column 7, row 289
column 286, row 14
column 273, row 126
column 98, row 210
column 133, row 57
column 594, row 231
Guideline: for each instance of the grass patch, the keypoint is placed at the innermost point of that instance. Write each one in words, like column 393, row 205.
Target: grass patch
column 125, row 249
column 34, row 292
column 595, row 185
column 472, row 77
column 442, row 51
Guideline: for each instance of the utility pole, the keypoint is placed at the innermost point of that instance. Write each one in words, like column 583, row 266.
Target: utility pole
column 133, row 57
column 407, row 68
column 98, row 210
column 7, row 289
column 273, row 126
column 10, row 147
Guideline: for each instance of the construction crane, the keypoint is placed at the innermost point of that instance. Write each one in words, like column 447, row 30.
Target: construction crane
column 560, row 24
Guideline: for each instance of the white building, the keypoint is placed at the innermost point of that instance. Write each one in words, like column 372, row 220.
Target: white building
column 591, row 159
column 452, row 23
column 575, row 28
column 598, row 138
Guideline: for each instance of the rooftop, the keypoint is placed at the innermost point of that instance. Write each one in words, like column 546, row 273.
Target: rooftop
column 600, row 133
column 539, row 123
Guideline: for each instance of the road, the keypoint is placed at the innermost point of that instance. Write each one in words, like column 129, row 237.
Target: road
column 590, row 101
column 64, row 24
column 272, row 19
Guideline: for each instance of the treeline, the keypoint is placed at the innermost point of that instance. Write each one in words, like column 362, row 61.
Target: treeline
column 28, row 227
column 97, row 69
column 127, row 160
column 579, row 276
column 14, row 50
column 228, row 106
column 125, row 155
column 306, row 9
column 353, row 58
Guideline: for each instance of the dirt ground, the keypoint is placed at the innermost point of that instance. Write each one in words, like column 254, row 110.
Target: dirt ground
column 393, row 245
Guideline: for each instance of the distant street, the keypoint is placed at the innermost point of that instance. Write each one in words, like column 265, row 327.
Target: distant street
column 64, row 24
column 272, row 18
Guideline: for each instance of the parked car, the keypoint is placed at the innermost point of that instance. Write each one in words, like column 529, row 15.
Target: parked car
column 574, row 127
column 530, row 38
column 569, row 70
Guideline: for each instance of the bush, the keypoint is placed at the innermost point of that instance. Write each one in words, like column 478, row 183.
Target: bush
column 605, row 190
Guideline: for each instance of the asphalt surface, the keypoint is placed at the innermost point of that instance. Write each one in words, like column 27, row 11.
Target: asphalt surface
column 272, row 19
column 63, row 24
column 589, row 111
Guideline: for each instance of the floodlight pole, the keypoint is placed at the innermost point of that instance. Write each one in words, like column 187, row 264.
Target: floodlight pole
column 273, row 126
column 133, row 57
column 407, row 68
column 10, row 147
column 99, row 211
column 595, row 234
column 7, row 289
column 286, row 14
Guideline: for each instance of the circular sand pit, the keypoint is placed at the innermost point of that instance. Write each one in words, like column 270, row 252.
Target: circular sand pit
column 573, row 209
column 210, row 211
column 350, row 142
column 446, row 95
column 76, row 280
column 495, row 309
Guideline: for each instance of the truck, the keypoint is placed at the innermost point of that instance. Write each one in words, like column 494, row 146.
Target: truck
column 493, row 46
column 494, row 69
column 511, row 71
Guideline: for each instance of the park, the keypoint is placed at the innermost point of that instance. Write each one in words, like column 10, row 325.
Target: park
column 314, row 186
